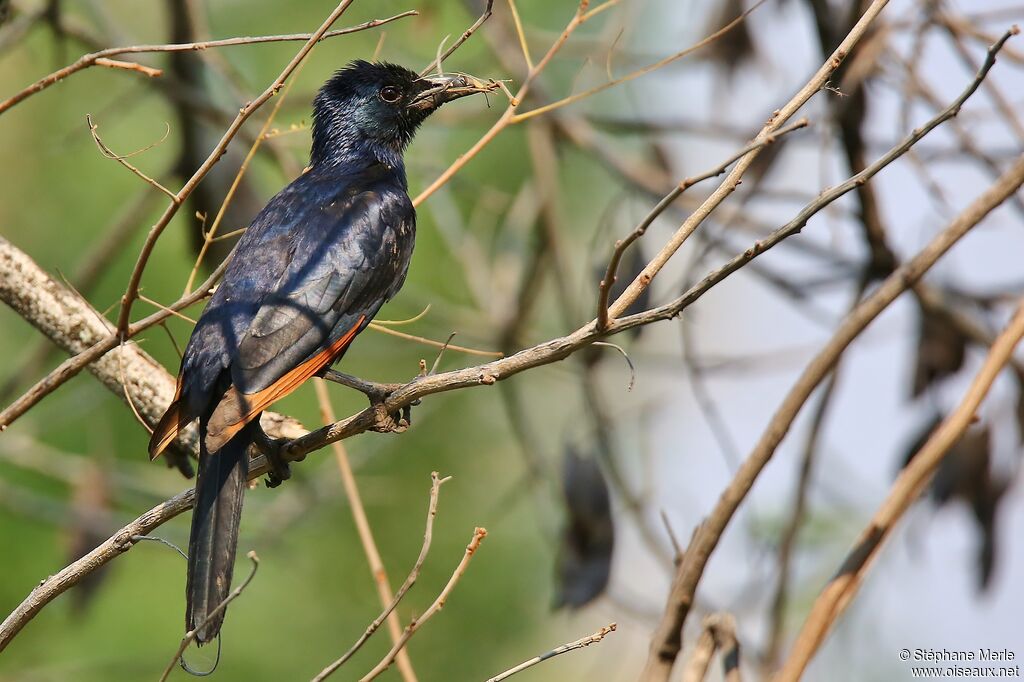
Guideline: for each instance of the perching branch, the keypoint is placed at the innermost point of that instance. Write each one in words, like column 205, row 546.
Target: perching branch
column 78, row 328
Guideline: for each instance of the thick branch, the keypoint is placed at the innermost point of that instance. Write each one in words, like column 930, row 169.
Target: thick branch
column 76, row 327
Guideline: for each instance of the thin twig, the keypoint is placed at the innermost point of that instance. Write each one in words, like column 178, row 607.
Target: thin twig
column 209, row 235
column 519, row 33
column 463, row 38
column 91, row 59
column 191, row 634
column 557, row 651
column 132, row 290
column 571, row 99
column 436, row 344
column 416, row 623
column 107, row 152
column 129, row 66
column 373, row 558
column 609, row 279
column 729, row 184
column 435, row 486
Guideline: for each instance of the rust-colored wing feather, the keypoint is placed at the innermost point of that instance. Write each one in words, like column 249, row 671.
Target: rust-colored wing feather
column 236, row 409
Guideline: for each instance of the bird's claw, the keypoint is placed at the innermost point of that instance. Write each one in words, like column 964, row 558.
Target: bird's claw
column 280, row 469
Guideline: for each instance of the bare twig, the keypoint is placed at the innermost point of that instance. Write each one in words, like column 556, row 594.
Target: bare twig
column 510, row 115
column 841, row 590
column 131, row 293
column 519, row 117
column 129, row 66
column 373, row 558
column 107, row 152
column 191, row 634
column 117, row 544
column 88, row 60
column 775, row 122
column 484, row 16
column 609, row 279
column 383, row 329
column 435, row 486
column 77, row 328
column 210, row 233
column 416, row 623
column 557, row 651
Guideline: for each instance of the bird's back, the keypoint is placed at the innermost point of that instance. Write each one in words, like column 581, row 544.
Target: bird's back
column 328, row 249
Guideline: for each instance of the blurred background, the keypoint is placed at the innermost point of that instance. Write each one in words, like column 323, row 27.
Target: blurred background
column 578, row 469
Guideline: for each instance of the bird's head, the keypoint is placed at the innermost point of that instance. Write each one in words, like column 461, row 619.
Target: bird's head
column 374, row 109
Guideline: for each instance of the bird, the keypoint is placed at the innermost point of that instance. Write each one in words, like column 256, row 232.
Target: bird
column 308, row 275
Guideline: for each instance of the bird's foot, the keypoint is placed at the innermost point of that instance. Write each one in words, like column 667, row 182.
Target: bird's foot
column 273, row 449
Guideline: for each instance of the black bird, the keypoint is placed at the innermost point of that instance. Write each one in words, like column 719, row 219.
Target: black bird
column 309, row 274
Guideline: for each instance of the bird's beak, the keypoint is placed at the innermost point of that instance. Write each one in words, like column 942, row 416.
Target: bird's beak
column 441, row 89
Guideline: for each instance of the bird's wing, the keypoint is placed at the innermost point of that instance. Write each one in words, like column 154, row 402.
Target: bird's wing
column 350, row 256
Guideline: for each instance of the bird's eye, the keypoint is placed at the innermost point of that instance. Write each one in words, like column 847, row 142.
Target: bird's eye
column 390, row 94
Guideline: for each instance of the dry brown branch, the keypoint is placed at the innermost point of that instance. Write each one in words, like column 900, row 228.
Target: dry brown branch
column 840, row 591
column 77, row 328
column 129, row 66
column 650, row 68
column 609, row 279
column 557, row 651
column 123, row 331
column 439, row 60
column 511, row 115
column 435, row 486
column 383, row 329
column 88, row 60
column 191, row 634
column 416, row 623
column 580, row 16
column 666, row 643
column 210, row 233
column 728, row 186
column 86, row 275
column 107, row 152
column 117, row 544
column 373, row 558
column 719, row 634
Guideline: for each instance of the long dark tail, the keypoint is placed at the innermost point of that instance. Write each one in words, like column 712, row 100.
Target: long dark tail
column 220, row 488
